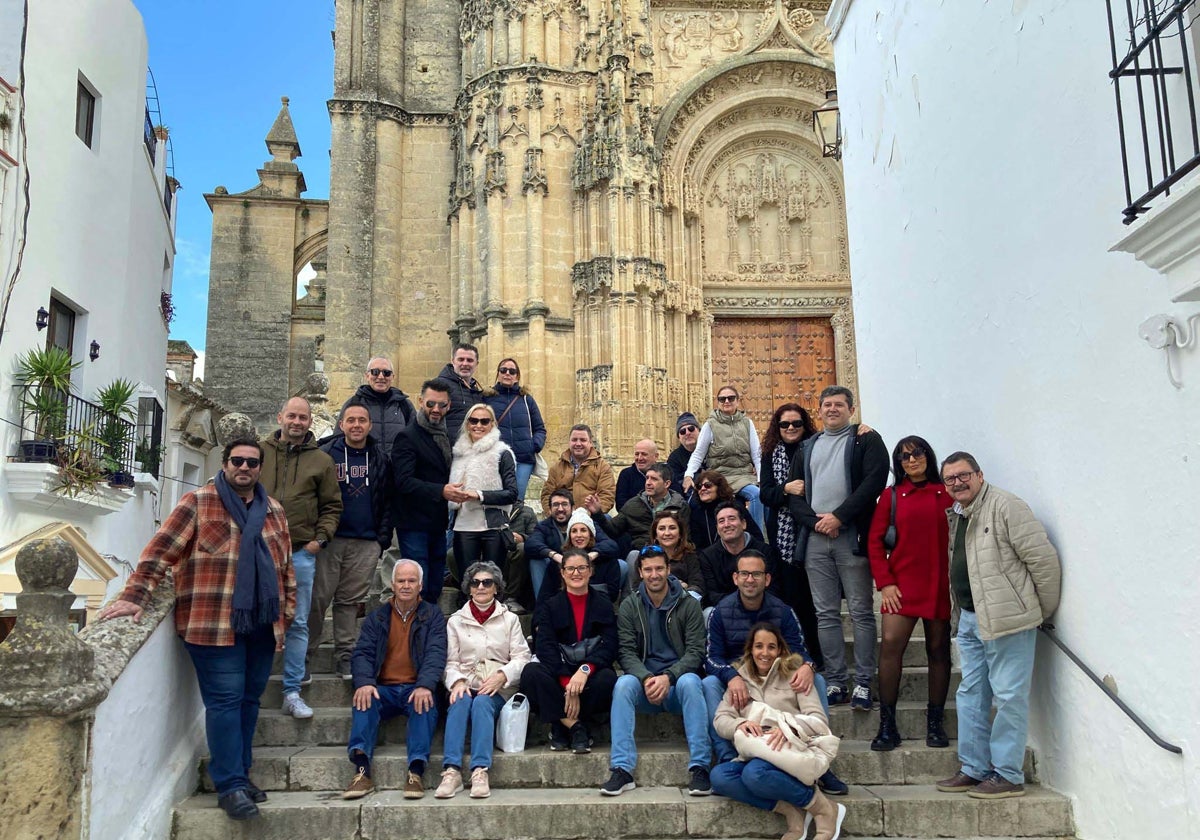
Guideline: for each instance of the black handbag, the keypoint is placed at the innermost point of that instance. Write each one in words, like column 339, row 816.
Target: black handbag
column 889, row 536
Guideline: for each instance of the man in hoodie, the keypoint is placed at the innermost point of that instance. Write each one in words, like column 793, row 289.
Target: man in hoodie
column 347, row 565
column 660, row 633
column 390, row 408
column 581, row 470
column 302, row 478
column 458, row 379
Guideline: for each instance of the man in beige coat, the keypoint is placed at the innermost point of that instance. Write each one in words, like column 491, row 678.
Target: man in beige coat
column 1005, row 580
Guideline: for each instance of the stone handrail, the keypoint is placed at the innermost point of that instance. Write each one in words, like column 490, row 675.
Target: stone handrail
column 115, row 642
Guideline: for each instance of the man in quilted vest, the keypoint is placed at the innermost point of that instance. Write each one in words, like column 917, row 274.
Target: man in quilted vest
column 1005, row 580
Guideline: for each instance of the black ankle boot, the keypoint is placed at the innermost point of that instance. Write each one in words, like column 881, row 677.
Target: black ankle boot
column 935, row 730
column 888, row 737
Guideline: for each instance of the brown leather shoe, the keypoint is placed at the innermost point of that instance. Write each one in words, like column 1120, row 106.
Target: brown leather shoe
column 359, row 787
column 960, row 782
column 996, row 786
column 414, row 787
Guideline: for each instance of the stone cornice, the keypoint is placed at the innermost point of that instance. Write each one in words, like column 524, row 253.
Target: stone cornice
column 388, row 111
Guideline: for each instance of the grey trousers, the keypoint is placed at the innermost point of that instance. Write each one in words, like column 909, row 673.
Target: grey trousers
column 833, row 570
column 345, row 569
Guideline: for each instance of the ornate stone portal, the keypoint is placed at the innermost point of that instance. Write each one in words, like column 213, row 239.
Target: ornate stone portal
column 601, row 189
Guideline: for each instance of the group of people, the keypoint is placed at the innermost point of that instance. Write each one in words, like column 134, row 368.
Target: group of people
column 712, row 579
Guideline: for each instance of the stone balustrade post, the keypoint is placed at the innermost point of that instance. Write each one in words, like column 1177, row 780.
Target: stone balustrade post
column 48, row 696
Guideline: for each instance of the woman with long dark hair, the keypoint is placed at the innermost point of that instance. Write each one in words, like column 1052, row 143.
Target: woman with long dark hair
column 913, row 576
column 518, row 419
column 711, row 490
column 669, row 531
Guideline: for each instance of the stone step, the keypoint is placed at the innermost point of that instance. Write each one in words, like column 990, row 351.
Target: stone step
column 660, row 812
column 659, row 764
column 330, row 726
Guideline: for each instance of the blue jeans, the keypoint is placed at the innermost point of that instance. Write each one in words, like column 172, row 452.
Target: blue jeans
column 524, row 471
column 833, row 569
column 685, row 698
column 1000, row 670
column 714, row 691
column 428, row 548
column 295, row 643
column 232, row 679
column 481, row 710
column 759, row 783
column 753, row 506
column 393, row 700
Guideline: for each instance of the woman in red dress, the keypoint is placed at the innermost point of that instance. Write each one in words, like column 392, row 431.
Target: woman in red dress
column 914, row 579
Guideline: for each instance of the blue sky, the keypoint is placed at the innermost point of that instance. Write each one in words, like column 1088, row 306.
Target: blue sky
column 220, row 67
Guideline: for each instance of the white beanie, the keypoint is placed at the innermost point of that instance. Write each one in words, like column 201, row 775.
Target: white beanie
column 581, row 517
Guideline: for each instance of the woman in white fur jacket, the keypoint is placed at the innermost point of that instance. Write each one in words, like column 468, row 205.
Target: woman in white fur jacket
column 484, row 467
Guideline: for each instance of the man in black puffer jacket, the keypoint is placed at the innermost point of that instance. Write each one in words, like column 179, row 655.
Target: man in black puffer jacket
column 458, row 378
column 390, row 408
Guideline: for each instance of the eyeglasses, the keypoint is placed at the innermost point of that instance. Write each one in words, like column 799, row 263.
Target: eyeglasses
column 651, row 550
column 574, row 570
column 479, row 421
column 686, row 430
column 433, row 404
column 791, row 424
column 750, row 575
column 384, row 372
column 727, row 399
column 238, row 460
column 509, row 370
column 913, row 454
column 959, row 478
column 707, row 485
column 482, row 583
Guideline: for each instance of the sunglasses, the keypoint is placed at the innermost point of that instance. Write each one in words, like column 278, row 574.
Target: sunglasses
column 482, row 583
column 727, row 399
column 686, row 430
column 238, row 461
column 651, row 550
column 380, row 372
column 912, row 455
column 479, row 421
column 791, row 424
column 707, row 485
column 509, row 370
column 434, row 404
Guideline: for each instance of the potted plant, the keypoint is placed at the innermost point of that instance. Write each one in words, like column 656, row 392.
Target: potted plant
column 45, row 379
column 149, row 456
column 116, row 429
column 79, row 469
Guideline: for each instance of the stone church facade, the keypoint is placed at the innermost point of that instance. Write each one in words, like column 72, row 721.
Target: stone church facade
column 627, row 198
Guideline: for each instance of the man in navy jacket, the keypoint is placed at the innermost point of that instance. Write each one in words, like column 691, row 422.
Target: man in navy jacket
column 397, row 664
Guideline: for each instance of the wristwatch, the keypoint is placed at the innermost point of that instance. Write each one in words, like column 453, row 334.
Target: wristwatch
column 586, row 668
column 323, row 543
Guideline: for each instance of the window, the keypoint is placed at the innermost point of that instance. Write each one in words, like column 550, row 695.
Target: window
column 85, row 112
column 62, row 326
column 149, row 448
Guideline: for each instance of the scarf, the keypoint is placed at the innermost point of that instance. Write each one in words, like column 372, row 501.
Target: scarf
column 438, row 432
column 482, row 615
column 785, row 533
column 256, row 588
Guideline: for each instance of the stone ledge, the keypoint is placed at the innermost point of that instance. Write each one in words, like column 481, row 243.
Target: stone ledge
column 34, row 485
column 116, row 641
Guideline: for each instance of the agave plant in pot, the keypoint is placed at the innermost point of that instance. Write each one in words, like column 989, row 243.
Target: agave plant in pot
column 115, row 431
column 44, row 377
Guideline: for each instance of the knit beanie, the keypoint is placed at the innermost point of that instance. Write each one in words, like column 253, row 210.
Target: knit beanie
column 581, row 517
column 686, row 419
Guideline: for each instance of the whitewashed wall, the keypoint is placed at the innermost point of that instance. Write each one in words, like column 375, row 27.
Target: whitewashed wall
column 146, row 742
column 984, row 190
column 98, row 231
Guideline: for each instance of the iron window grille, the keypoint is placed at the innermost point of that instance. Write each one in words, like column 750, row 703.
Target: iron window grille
column 1154, row 80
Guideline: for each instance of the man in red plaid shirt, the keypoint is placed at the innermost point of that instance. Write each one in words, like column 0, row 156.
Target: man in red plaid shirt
column 228, row 550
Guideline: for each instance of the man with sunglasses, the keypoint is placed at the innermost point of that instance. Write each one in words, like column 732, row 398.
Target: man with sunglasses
column 421, row 457
column 1005, row 580
column 227, row 547
column 457, row 379
column 302, row 477
column 687, row 429
column 389, row 408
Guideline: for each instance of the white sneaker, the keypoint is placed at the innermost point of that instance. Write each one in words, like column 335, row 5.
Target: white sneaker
column 295, row 706
column 480, row 789
column 451, row 783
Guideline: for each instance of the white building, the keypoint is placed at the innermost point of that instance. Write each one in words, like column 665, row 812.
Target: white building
column 95, row 255
column 984, row 187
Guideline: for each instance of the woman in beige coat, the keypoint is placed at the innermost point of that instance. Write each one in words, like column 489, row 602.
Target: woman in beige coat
column 485, row 655
column 767, row 666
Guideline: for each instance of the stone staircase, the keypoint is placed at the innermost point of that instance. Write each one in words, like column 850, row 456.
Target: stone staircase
column 537, row 793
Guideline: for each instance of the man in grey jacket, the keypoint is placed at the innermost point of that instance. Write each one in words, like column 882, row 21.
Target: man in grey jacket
column 1005, row 580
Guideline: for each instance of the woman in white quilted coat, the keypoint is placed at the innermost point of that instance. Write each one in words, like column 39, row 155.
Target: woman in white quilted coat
column 802, row 740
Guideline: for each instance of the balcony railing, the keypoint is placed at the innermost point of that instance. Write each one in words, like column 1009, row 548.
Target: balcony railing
column 1154, row 79
column 149, row 137
column 76, row 427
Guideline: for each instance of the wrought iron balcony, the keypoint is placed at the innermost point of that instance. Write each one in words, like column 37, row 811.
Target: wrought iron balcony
column 68, row 430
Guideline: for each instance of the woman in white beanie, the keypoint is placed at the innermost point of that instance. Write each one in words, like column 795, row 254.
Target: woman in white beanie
column 603, row 552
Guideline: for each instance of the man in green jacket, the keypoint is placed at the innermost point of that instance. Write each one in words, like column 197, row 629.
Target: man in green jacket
column 1005, row 580
column 661, row 640
column 303, row 479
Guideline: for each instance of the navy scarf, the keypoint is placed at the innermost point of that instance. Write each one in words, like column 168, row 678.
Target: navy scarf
column 256, row 591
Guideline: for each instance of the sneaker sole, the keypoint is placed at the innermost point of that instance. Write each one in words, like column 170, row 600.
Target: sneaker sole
column 841, row 817
column 952, row 789
column 357, row 794
column 974, row 793
column 620, row 790
column 480, row 795
column 451, row 795
column 699, row 792
column 559, row 747
column 412, row 794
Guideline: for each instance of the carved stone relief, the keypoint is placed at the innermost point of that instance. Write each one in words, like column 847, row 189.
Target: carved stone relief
column 705, row 35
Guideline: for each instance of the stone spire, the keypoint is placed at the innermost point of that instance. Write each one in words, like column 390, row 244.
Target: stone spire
column 281, row 139
column 280, row 176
